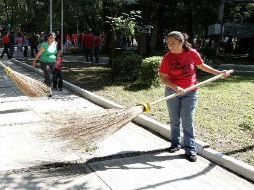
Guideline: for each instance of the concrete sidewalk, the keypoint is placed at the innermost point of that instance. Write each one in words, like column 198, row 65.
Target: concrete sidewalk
column 132, row 158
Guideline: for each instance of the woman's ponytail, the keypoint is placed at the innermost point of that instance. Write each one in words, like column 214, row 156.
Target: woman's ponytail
column 186, row 44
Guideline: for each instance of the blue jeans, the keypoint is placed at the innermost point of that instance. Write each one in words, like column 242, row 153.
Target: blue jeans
column 181, row 112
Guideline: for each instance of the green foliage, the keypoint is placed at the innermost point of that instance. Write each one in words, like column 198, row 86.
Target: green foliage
column 208, row 52
column 239, row 13
column 209, row 55
column 126, row 23
column 149, row 72
column 128, row 64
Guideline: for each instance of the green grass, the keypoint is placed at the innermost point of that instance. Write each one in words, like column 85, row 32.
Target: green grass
column 224, row 117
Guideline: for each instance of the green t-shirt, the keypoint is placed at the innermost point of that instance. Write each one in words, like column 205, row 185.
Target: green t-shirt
column 49, row 55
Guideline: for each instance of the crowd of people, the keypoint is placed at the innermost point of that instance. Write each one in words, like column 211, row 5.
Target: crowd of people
column 46, row 48
column 23, row 41
column 88, row 41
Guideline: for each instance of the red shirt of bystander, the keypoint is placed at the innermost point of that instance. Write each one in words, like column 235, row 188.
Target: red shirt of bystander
column 98, row 41
column 88, row 40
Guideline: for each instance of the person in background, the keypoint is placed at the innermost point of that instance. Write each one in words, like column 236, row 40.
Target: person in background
column 228, row 46
column 177, row 72
column 57, row 73
column 47, row 56
column 25, row 44
column 6, row 43
column 19, row 41
column 12, row 43
column 58, row 40
column 97, row 46
column 34, row 44
column 74, row 40
column 88, row 43
column 68, row 41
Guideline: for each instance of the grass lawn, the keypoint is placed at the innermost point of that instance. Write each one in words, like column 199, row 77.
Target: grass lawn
column 224, row 117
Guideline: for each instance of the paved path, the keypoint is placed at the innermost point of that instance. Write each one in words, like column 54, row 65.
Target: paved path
column 82, row 59
column 132, row 158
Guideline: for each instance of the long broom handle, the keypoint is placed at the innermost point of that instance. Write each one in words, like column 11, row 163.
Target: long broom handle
column 192, row 87
column 7, row 69
column 3, row 65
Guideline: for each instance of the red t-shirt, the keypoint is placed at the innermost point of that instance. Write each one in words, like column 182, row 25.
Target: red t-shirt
column 97, row 41
column 181, row 68
column 6, row 40
column 59, row 64
column 88, row 39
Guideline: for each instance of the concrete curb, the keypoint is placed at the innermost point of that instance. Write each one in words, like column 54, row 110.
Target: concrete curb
column 245, row 67
column 238, row 167
column 228, row 162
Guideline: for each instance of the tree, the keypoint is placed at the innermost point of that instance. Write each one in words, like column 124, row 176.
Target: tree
column 116, row 21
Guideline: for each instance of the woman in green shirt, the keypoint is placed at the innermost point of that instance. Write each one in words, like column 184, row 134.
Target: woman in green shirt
column 47, row 57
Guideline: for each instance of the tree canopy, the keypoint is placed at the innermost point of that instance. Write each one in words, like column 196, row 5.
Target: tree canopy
column 192, row 17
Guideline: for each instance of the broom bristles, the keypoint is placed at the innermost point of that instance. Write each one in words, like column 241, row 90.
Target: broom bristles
column 85, row 130
column 28, row 85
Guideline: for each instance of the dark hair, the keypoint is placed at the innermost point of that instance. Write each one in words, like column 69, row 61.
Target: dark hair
column 51, row 34
column 181, row 37
column 186, row 44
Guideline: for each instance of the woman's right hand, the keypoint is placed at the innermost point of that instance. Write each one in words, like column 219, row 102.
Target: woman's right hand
column 179, row 90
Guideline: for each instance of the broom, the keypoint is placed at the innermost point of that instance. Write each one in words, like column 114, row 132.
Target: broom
column 27, row 85
column 84, row 130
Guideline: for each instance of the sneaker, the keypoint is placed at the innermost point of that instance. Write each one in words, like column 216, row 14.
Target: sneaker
column 191, row 158
column 173, row 149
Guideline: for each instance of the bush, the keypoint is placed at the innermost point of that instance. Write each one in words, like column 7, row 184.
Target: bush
column 128, row 64
column 150, row 71
column 208, row 52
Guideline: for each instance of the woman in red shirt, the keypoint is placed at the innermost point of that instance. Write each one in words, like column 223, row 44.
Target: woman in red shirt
column 177, row 72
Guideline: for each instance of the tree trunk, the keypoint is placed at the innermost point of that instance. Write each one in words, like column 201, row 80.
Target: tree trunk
column 190, row 25
column 160, row 31
column 110, row 36
column 143, row 38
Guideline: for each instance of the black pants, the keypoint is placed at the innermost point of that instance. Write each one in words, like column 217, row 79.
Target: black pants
column 11, row 49
column 25, row 51
column 6, row 50
column 57, row 79
column 34, row 48
column 89, row 54
column 96, row 54
column 47, row 68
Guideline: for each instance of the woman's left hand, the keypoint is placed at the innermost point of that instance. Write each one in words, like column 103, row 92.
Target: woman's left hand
column 225, row 74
